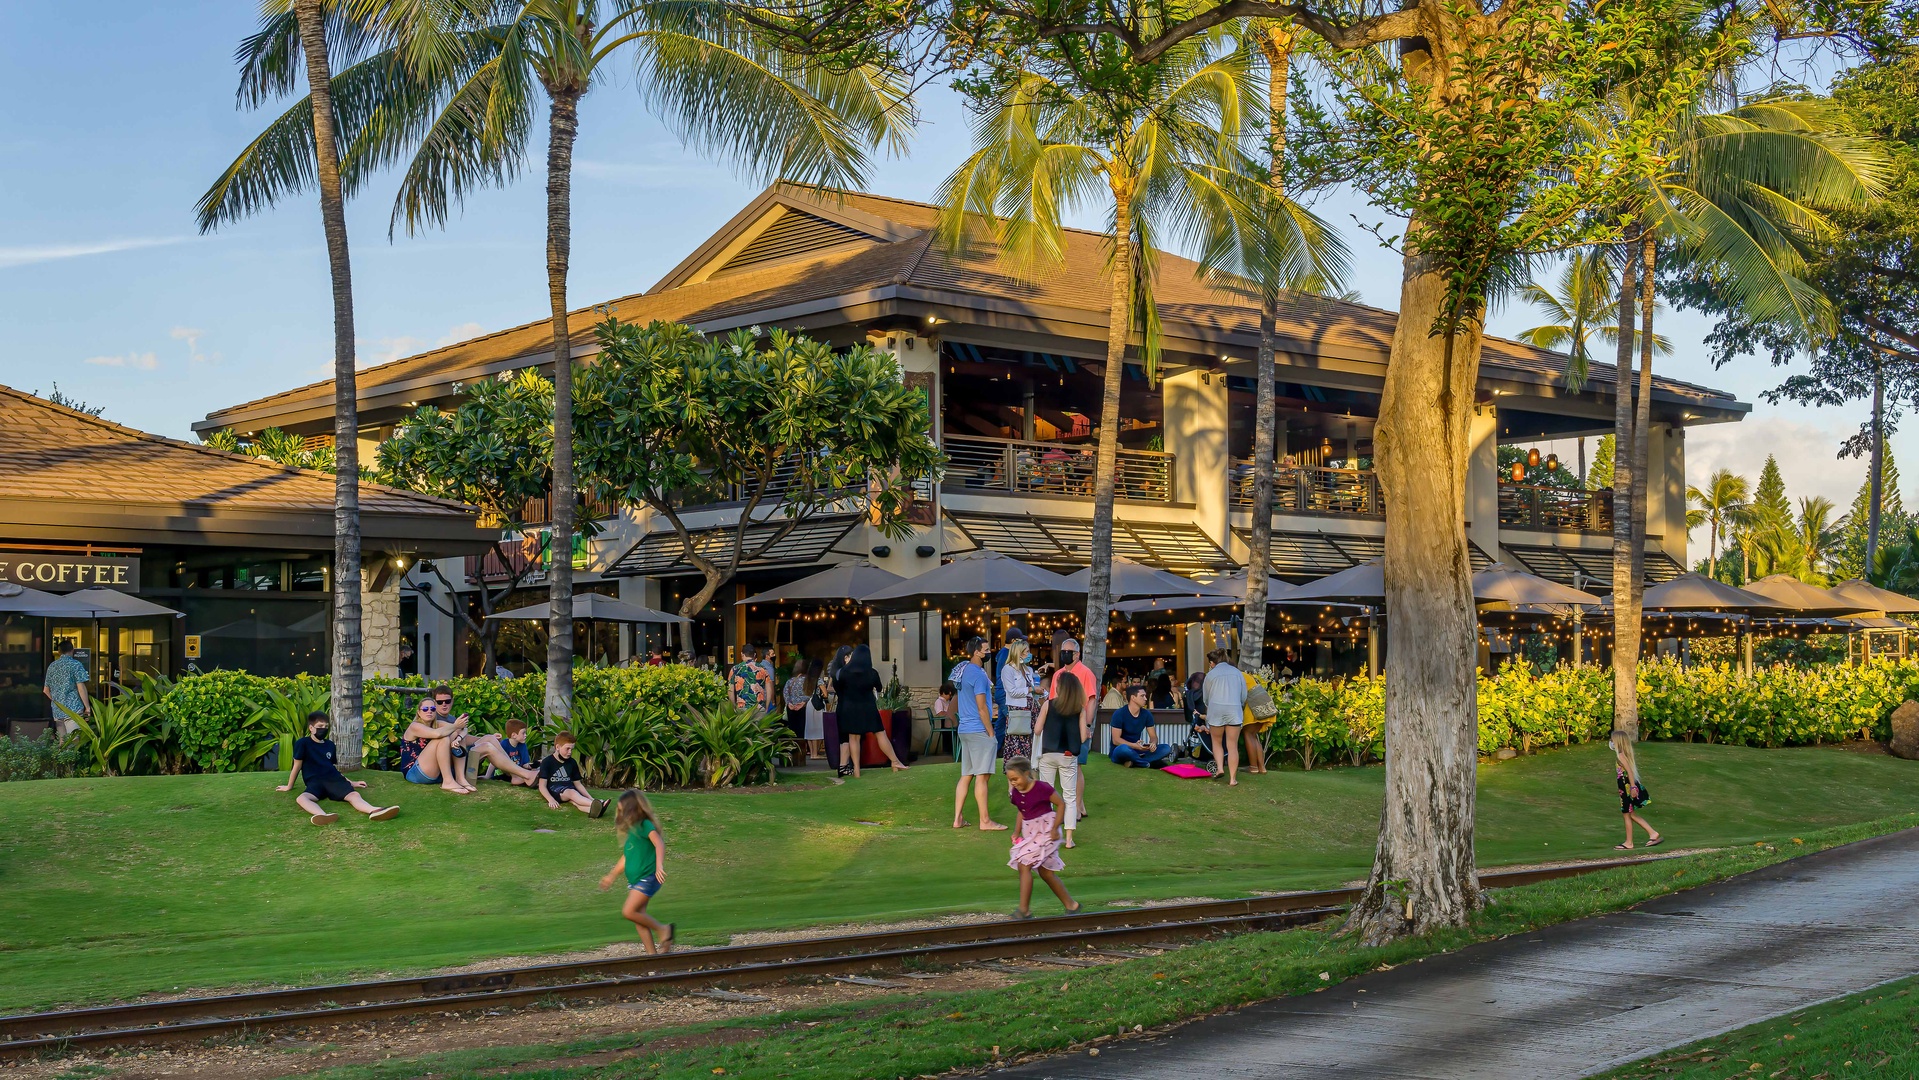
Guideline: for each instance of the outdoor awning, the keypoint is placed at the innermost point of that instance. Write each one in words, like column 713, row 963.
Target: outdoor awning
column 1583, row 567
column 660, row 554
column 1180, row 547
column 1308, row 555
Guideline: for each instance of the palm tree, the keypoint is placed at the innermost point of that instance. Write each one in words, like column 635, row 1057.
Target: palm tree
column 1816, row 539
column 1721, row 504
column 294, row 39
column 470, row 77
column 1584, row 305
column 1156, row 157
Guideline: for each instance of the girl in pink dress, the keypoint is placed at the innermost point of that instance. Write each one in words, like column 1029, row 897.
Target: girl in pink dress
column 1036, row 841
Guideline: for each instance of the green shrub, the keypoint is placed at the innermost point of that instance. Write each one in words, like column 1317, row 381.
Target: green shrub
column 44, row 758
column 113, row 734
column 282, row 715
column 215, row 713
column 632, row 724
column 736, row 745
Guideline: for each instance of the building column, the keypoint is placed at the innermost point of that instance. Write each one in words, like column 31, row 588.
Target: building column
column 379, row 627
column 437, row 631
column 1666, row 490
column 1195, row 419
column 919, row 360
column 1482, row 479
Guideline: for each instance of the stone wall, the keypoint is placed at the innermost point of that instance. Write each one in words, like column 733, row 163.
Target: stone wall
column 380, row 628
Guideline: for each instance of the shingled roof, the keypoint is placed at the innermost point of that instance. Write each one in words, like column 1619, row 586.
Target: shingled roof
column 64, row 469
column 872, row 250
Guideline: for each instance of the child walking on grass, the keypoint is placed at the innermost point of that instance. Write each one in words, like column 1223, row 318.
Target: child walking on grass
column 1036, row 842
column 644, row 860
column 1632, row 793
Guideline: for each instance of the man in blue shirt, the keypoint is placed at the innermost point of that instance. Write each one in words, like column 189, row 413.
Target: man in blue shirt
column 65, row 685
column 977, row 747
column 1133, row 741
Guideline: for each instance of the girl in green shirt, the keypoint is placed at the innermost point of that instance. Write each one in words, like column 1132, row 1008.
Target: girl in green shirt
column 644, row 861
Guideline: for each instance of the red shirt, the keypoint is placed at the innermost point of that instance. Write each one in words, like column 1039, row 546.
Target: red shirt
column 1035, row 801
column 1086, row 682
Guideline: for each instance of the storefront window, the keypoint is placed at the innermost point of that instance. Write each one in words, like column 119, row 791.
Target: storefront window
column 264, row 635
column 21, row 667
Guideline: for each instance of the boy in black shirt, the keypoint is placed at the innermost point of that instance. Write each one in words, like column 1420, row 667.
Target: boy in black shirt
column 559, row 779
column 315, row 753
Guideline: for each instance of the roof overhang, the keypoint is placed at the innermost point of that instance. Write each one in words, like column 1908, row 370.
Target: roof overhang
column 71, row 520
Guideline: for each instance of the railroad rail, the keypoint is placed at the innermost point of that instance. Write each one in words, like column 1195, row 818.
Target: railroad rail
column 198, row 1018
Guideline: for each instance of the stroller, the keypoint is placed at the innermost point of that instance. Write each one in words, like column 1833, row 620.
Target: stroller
column 1197, row 747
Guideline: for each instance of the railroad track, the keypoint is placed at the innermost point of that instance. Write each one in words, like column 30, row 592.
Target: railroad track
column 199, row 1018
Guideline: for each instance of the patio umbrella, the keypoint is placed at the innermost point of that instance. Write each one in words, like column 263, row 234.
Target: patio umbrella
column 596, row 606
column 1788, row 593
column 20, row 600
column 1362, row 584
column 979, row 575
column 120, row 604
column 253, row 628
column 1137, row 581
column 1697, row 592
column 1874, row 597
column 845, row 581
column 1500, row 582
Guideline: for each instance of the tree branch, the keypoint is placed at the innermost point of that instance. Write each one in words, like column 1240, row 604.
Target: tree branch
column 1359, row 34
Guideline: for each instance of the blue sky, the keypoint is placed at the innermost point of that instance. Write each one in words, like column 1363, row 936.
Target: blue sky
column 118, row 121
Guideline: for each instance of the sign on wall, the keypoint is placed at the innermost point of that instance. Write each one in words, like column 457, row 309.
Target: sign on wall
column 54, row 572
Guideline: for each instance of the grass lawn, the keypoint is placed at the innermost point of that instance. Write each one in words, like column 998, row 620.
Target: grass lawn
column 1873, row 1034
column 113, row 888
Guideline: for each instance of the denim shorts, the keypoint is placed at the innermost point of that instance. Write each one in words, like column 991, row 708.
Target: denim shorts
column 415, row 776
column 646, row 886
column 1085, row 750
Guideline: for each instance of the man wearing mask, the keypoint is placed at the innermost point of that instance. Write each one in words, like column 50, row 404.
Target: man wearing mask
column 316, row 755
column 1066, row 658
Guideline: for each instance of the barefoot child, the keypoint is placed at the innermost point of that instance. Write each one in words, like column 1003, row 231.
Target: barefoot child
column 644, row 861
column 1036, row 843
column 559, row 779
column 316, row 754
column 1632, row 793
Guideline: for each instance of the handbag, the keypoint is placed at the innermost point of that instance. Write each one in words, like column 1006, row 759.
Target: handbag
column 1640, row 796
column 1259, row 701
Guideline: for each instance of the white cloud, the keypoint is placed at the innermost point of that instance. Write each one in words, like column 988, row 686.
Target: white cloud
column 388, row 349
column 145, row 361
column 1807, row 454
column 192, row 337
column 28, row 255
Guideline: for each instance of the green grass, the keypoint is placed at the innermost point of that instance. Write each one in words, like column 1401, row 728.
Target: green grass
column 113, row 888
column 1051, row 1012
column 1872, row 1034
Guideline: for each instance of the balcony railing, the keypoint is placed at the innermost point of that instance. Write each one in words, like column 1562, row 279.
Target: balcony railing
column 1310, row 489
column 1040, row 468
column 537, row 512
column 1554, row 509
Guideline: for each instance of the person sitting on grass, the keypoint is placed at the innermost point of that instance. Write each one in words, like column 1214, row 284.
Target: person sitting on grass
column 315, row 753
column 513, row 745
column 643, row 860
column 1036, row 842
column 467, row 747
column 426, row 750
column 1133, row 737
column 559, row 779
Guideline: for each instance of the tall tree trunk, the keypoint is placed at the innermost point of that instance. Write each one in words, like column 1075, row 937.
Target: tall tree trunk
column 1642, row 428
column 1099, row 586
column 1582, row 461
column 1423, row 876
column 563, row 129
column 1276, row 43
column 1625, row 650
column 348, row 724
column 1874, row 496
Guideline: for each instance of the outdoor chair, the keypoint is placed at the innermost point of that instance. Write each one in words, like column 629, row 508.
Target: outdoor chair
column 942, row 725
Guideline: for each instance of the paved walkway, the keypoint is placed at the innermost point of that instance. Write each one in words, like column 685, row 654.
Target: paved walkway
column 1574, row 999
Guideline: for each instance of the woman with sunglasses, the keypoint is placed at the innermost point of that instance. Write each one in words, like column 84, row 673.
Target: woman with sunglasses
column 426, row 750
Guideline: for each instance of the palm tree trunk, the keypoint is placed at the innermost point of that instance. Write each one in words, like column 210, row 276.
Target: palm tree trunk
column 1873, row 496
column 563, row 129
column 1099, row 587
column 1625, row 650
column 1276, row 44
column 1642, row 428
column 348, row 729
column 1423, row 876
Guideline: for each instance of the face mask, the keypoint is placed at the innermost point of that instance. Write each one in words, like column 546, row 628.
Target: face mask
column 1066, row 657
column 320, row 732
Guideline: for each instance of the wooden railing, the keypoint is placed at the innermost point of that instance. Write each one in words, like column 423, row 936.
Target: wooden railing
column 1310, row 489
column 538, row 512
column 1544, row 508
column 976, row 465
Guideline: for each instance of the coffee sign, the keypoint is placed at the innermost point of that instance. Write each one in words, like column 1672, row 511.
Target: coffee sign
column 65, row 573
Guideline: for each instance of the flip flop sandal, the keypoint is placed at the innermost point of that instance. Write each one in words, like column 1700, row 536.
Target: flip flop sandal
column 383, row 813
column 1022, row 916
column 325, row 819
column 599, row 808
column 672, row 931
column 1623, row 847
column 1656, row 841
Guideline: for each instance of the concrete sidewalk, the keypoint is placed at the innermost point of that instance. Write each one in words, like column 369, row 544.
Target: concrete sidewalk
column 1574, row 999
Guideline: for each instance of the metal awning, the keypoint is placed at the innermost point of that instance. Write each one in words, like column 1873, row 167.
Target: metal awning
column 1309, row 555
column 660, row 554
column 1180, row 547
column 1582, row 567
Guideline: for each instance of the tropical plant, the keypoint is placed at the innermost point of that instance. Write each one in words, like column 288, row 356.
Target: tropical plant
column 300, row 150
column 735, row 744
column 45, row 758
column 1721, row 505
column 1584, row 305
column 1154, row 155
column 114, row 733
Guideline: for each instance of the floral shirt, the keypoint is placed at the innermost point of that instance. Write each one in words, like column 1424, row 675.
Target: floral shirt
column 63, row 680
column 749, row 686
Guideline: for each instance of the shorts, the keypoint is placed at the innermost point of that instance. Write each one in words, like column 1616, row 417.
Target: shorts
column 1085, row 750
column 336, row 788
column 646, row 886
column 976, row 753
column 415, row 776
column 557, row 790
column 1236, row 718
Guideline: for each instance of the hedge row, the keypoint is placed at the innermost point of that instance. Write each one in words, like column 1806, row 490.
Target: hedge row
column 1343, row 720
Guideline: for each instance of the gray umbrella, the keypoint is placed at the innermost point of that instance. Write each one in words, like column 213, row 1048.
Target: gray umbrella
column 1137, row 581
column 595, row 606
column 1362, row 584
column 17, row 599
column 980, row 576
column 1790, row 594
column 1878, row 599
column 1697, row 592
column 1503, row 583
column 846, row 581
column 120, row 604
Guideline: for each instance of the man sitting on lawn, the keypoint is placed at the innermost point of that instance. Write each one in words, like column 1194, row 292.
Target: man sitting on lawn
column 315, row 753
column 1133, row 741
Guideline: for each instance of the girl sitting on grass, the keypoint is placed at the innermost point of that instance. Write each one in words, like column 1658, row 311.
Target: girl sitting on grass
column 644, row 860
column 1632, row 793
column 1036, row 843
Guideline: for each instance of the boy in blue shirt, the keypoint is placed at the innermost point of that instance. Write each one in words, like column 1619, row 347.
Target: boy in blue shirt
column 315, row 754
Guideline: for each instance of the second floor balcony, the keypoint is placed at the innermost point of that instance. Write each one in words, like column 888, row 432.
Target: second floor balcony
column 1064, row 470
column 1311, row 489
column 1546, row 508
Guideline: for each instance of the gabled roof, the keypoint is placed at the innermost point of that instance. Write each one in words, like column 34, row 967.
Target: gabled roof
column 63, row 469
column 797, row 255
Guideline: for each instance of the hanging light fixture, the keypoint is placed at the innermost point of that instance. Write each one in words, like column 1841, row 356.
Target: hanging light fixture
column 1552, row 462
column 1532, row 458
column 1519, row 472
